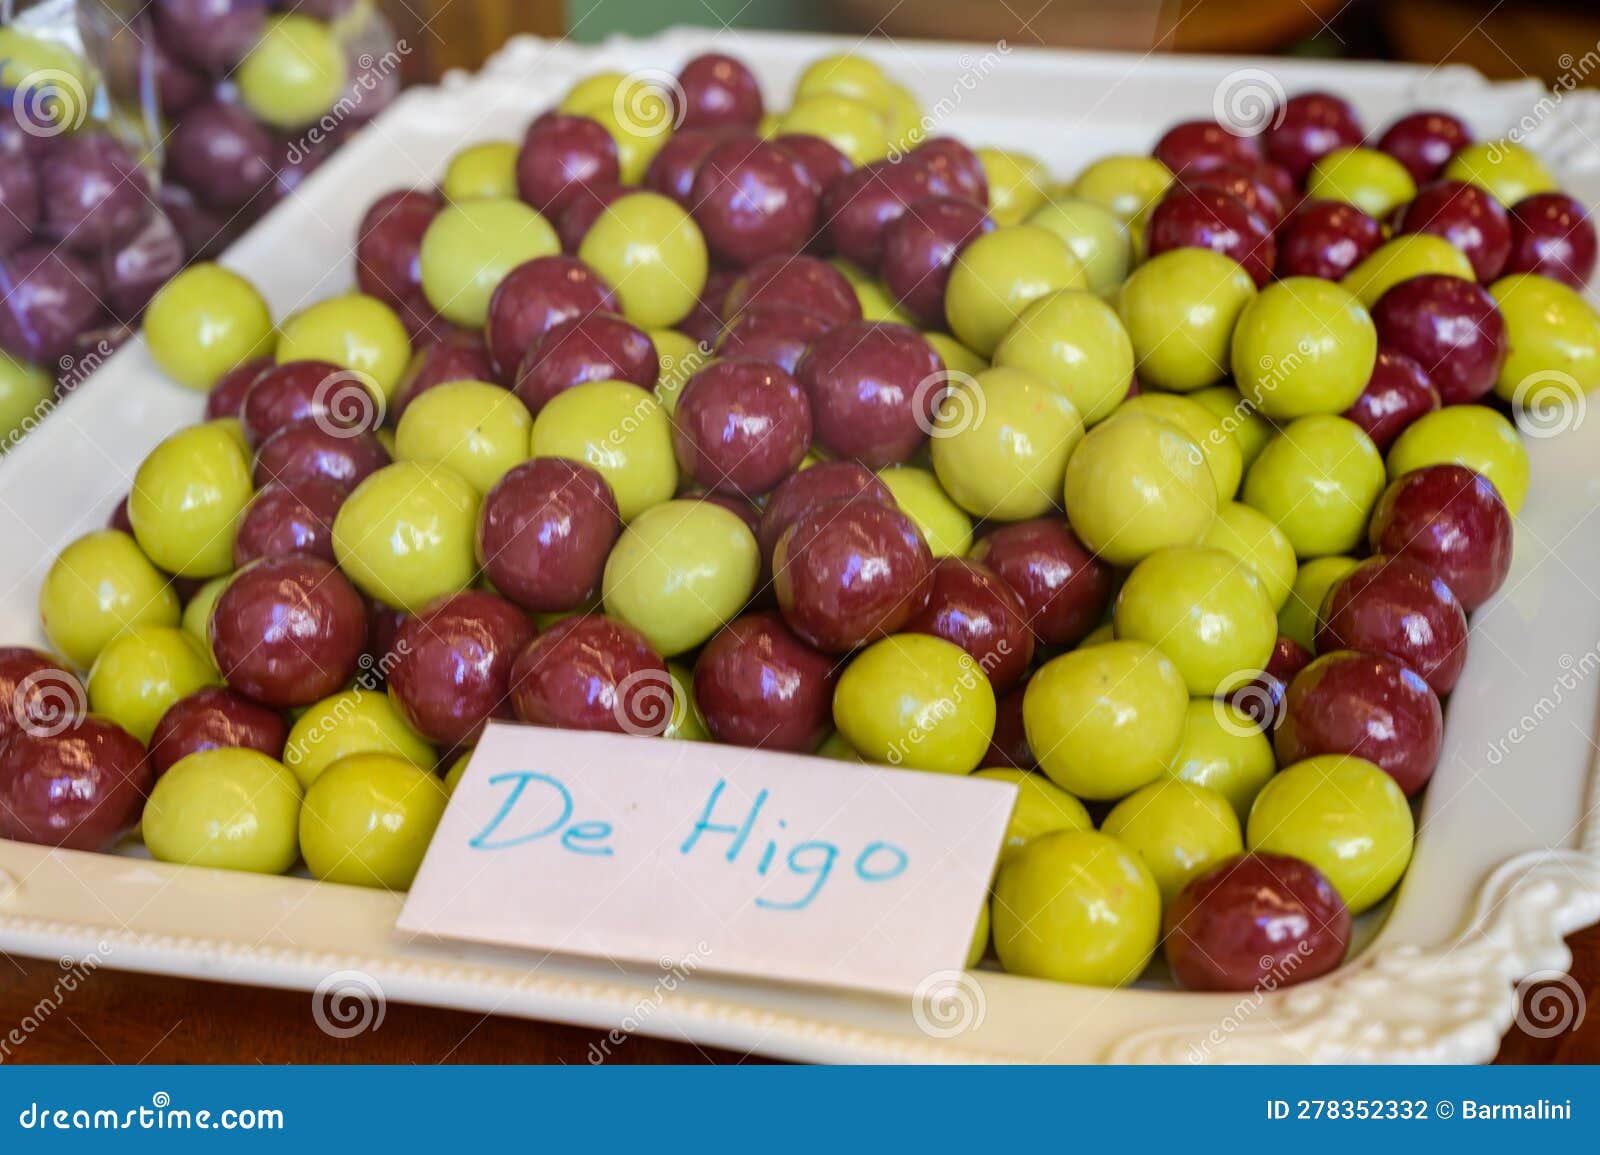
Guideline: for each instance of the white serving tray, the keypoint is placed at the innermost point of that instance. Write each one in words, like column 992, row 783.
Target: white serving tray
column 1506, row 864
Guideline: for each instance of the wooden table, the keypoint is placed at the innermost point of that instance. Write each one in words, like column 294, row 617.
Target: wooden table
column 126, row 1018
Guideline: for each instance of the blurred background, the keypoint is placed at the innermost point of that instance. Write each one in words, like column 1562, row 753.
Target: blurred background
column 1502, row 39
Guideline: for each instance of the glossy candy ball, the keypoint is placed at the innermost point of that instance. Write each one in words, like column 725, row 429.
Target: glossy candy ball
column 1449, row 326
column 479, row 430
column 1178, row 829
column 142, row 672
column 741, row 426
column 1452, row 520
column 356, row 332
column 367, row 821
column 1326, row 239
column 562, row 158
column 1318, row 481
column 81, row 787
column 1399, row 607
column 1180, row 310
column 917, row 702
column 546, row 530
column 99, row 585
column 1471, row 435
column 227, row 809
column 1077, row 343
column 969, row 605
column 405, row 535
column 205, row 321
column 1398, row 393
column 1424, row 142
column 215, row 719
column 470, row 247
column 1303, row 346
column 1468, row 217
column 751, row 201
column 1063, row 588
column 998, row 274
column 874, row 389
column 1552, row 235
column 592, row 673
column 620, row 431
column 534, row 298
column 654, row 256
column 757, row 684
column 187, row 499
column 453, row 667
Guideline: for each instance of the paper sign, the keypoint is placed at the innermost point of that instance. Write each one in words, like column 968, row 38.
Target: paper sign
column 771, row 865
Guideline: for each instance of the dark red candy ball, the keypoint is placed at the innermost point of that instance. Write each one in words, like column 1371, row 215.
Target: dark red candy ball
column 227, row 396
column 920, row 248
column 1397, row 393
column 283, row 519
column 1064, row 589
column 1309, row 126
column 1194, row 145
column 1326, row 239
column 452, row 668
column 579, row 217
column 534, row 298
column 970, row 606
column 671, row 171
column 777, row 333
column 823, row 482
column 757, row 684
column 1397, row 606
column 36, row 693
column 308, row 392
column 1366, row 705
column 847, row 572
column 1208, row 218
column 288, row 630
column 459, row 356
column 1256, row 922
column 81, row 788
column 1424, row 142
column 545, row 532
column 1451, row 327
column 50, row 296
column 741, row 426
column 804, row 283
column 215, row 718
column 1009, row 746
column 718, row 91
column 874, row 389
column 751, row 201
column 1552, row 235
column 953, row 168
column 593, row 347
column 592, row 673
column 860, row 205
column 561, row 156
column 819, row 162
column 1249, row 185
column 1261, row 698
column 389, row 245
column 1466, row 215
column 93, row 191
column 293, row 455
column 1453, row 521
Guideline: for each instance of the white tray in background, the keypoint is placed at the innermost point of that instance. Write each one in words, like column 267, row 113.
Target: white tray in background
column 1505, row 865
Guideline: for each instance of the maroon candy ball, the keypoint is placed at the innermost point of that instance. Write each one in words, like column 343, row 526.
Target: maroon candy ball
column 970, row 606
column 459, row 356
column 1249, row 185
column 1064, row 589
column 1208, row 218
column 819, row 162
column 1397, row 393
column 591, row 347
column 1424, row 142
column 50, row 296
column 1261, row 698
column 741, row 426
column 1309, row 126
column 1195, row 145
column 545, row 532
column 777, row 333
column 19, row 201
column 592, row 673
column 920, row 248
column 874, row 389
column 859, row 206
column 718, row 91
column 1397, row 606
column 751, row 201
column 218, row 150
column 804, row 283
column 215, row 719
column 823, row 482
column 288, row 630
column 283, row 519
column 1552, row 235
column 1366, row 705
column 757, row 684
column 953, row 167
column 1466, row 215
column 81, row 788
column 131, row 272
column 1009, row 746
column 1256, row 922
column 293, row 455
column 579, row 217
column 226, row 397
column 93, row 191
column 1451, row 520
column 452, row 668
column 1326, row 239
column 1451, row 327
column 534, row 298
column 847, row 572
column 308, row 392
column 36, row 693
column 561, row 156
column 672, row 170
column 389, row 245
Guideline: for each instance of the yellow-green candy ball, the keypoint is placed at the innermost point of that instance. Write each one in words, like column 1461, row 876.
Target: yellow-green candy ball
column 1507, row 170
column 999, row 274
column 367, row 821
column 1471, row 435
column 354, row 721
column 355, row 332
column 1076, row 907
column 680, row 571
column 1180, row 309
column 98, row 586
column 1250, row 430
column 1318, row 481
column 943, row 524
column 1250, row 535
column 1304, row 346
column 27, row 394
column 1130, row 186
column 1225, row 750
column 619, row 430
column 1552, row 349
column 680, row 357
column 1042, row 807
column 205, row 321
column 1373, row 181
column 477, row 429
column 1221, row 452
column 1412, row 255
column 1178, row 829
column 294, row 74
column 853, row 127
column 470, row 247
column 406, row 534
column 1106, row 720
column 1017, row 184
column 227, row 809
column 1075, row 341
column 652, row 254
column 1095, row 236
column 1344, row 816
column 482, row 172
column 186, row 500
column 1297, row 618
column 142, row 672
column 916, row 702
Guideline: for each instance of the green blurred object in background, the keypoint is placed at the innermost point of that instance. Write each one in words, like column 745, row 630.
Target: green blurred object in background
column 591, row 20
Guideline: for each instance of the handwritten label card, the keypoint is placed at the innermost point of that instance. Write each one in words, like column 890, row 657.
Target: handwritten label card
column 754, row 863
